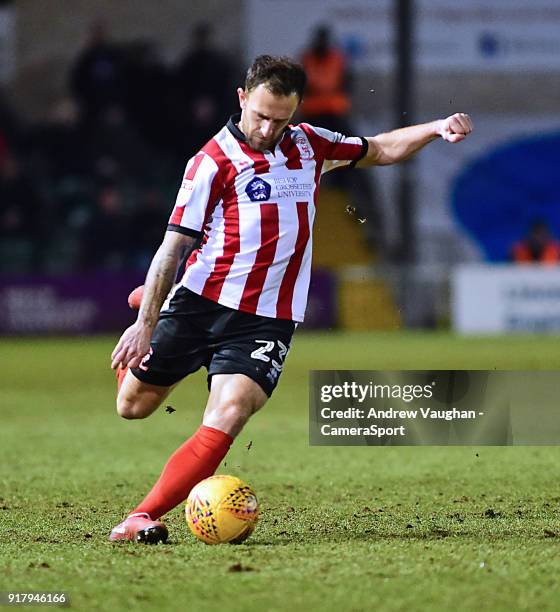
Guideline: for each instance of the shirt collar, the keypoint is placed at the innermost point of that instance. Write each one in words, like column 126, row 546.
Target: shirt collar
column 232, row 126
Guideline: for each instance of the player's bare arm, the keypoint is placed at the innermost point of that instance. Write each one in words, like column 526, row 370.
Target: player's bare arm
column 134, row 344
column 399, row 145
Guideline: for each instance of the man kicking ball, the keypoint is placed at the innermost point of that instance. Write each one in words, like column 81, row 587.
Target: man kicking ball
column 243, row 217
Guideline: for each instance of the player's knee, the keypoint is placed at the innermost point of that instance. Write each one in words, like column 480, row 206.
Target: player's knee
column 128, row 409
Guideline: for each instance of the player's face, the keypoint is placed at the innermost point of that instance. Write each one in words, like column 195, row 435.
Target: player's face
column 264, row 116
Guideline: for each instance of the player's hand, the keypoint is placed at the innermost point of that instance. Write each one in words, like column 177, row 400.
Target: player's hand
column 133, row 346
column 455, row 127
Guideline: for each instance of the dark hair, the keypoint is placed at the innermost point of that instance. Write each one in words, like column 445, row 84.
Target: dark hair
column 280, row 75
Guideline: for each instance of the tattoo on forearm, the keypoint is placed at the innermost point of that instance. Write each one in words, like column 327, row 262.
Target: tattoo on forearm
column 160, row 279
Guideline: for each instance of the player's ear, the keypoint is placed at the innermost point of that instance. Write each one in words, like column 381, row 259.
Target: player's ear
column 242, row 97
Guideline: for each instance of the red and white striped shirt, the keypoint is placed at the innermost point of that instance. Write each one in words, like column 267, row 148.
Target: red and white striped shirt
column 254, row 211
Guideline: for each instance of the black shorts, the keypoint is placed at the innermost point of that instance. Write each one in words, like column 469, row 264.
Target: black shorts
column 194, row 332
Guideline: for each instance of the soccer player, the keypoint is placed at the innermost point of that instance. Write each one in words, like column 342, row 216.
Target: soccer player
column 243, row 216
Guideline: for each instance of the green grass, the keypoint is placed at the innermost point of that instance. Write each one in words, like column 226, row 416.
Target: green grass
column 342, row 528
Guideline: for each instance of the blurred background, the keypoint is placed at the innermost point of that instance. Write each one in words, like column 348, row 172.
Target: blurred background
column 102, row 103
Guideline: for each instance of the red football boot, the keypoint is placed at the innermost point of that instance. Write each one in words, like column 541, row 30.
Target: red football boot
column 135, row 298
column 139, row 528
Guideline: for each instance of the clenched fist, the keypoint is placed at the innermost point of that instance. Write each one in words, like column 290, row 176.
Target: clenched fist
column 456, row 127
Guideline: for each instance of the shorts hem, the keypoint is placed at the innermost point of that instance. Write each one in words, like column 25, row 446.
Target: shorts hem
column 154, row 378
column 268, row 389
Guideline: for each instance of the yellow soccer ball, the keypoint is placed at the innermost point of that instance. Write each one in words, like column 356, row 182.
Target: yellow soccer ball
column 222, row 509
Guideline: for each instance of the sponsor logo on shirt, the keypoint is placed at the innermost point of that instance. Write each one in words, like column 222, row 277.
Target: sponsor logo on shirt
column 258, row 190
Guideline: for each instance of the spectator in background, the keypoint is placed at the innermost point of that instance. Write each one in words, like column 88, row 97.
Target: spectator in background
column 61, row 168
column 20, row 214
column 327, row 103
column 148, row 93
column 116, row 147
column 60, row 142
column 13, row 131
column 327, row 99
column 107, row 241
column 96, row 79
column 204, row 87
column 538, row 247
column 4, row 150
column 146, row 227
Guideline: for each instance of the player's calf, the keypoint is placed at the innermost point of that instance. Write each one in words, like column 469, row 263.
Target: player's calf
column 233, row 399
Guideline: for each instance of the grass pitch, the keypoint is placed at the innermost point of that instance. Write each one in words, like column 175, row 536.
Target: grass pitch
column 342, row 528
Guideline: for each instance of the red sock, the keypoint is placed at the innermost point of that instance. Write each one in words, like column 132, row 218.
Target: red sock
column 121, row 373
column 192, row 462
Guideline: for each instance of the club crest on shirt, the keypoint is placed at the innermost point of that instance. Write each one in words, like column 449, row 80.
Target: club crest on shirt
column 305, row 150
column 258, row 190
column 187, row 184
